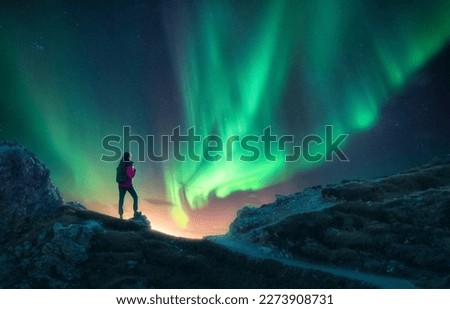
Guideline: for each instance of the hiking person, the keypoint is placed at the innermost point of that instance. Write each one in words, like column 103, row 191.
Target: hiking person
column 124, row 177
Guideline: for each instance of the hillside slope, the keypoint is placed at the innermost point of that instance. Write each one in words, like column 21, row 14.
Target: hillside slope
column 395, row 226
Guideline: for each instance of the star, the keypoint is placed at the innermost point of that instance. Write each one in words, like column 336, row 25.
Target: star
column 38, row 46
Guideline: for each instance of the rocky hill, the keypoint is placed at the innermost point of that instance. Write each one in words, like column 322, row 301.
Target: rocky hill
column 396, row 226
column 385, row 232
column 46, row 242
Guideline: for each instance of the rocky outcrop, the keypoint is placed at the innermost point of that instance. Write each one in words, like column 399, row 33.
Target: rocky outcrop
column 27, row 195
column 251, row 221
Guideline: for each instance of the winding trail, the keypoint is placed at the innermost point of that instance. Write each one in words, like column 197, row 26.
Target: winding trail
column 258, row 252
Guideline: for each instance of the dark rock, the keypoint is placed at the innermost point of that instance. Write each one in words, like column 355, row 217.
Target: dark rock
column 250, row 221
column 27, row 194
column 75, row 205
column 141, row 220
column 73, row 240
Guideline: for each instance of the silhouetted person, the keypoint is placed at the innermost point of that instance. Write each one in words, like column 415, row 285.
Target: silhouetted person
column 126, row 184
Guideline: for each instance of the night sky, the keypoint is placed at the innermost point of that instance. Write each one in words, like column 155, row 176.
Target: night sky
column 72, row 73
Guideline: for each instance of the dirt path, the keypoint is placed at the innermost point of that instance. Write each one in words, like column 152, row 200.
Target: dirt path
column 265, row 253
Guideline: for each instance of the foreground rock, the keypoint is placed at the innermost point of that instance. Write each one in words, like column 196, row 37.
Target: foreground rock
column 397, row 226
column 46, row 243
column 27, row 195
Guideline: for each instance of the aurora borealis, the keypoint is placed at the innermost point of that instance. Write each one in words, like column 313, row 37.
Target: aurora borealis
column 232, row 78
column 74, row 73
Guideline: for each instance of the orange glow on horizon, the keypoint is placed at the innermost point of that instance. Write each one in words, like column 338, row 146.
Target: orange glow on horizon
column 211, row 220
column 214, row 219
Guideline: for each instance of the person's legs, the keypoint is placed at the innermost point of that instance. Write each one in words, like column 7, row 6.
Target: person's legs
column 122, row 192
column 135, row 198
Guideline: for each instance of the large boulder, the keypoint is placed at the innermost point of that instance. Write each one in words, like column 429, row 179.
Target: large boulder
column 27, row 195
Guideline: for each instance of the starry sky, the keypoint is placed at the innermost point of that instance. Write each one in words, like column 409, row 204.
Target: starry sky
column 72, row 73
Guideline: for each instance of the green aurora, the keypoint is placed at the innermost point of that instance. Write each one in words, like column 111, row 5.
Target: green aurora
column 350, row 55
column 238, row 68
